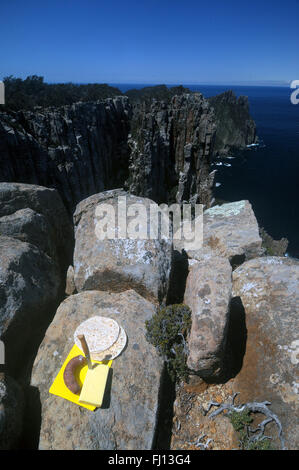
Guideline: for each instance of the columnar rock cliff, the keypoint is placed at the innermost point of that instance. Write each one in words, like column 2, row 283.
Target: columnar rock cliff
column 171, row 148
column 156, row 149
column 79, row 149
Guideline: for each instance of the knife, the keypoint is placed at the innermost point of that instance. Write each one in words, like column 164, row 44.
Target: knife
column 85, row 350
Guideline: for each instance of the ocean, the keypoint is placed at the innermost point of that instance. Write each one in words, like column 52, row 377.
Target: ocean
column 268, row 176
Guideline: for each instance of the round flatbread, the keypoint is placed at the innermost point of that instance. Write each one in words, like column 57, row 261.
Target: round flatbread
column 114, row 350
column 100, row 333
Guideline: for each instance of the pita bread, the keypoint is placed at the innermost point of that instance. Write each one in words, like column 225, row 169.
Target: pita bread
column 114, row 350
column 100, row 333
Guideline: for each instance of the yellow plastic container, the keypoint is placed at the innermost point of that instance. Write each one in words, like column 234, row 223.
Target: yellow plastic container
column 59, row 388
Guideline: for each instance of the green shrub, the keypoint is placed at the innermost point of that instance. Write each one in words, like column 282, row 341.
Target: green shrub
column 240, row 422
column 167, row 331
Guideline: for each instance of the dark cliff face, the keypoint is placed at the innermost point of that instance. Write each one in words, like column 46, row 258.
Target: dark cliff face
column 157, row 149
column 79, row 149
column 171, row 149
column 235, row 127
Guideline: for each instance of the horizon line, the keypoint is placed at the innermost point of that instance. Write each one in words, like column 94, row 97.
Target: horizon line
column 267, row 83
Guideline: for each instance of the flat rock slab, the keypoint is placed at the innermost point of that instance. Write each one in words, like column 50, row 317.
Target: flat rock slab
column 128, row 420
column 269, row 290
column 118, row 264
column 208, row 294
column 230, row 230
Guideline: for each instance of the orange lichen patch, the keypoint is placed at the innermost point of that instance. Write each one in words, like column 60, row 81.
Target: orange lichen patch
column 195, row 422
column 196, row 385
column 259, row 350
column 213, row 241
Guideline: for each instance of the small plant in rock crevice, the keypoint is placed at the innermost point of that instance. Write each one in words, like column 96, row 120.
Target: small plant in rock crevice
column 241, row 423
column 167, row 330
column 241, row 417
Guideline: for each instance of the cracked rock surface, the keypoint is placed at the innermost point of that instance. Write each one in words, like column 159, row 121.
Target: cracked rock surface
column 127, row 420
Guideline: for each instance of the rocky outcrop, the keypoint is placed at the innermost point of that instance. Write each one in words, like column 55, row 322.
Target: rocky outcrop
column 230, row 236
column 36, row 246
column 170, row 150
column 11, row 413
column 79, row 149
column 230, row 231
column 36, row 215
column 264, row 321
column 29, row 226
column 128, row 419
column 29, row 291
column 122, row 263
column 156, row 149
column 273, row 247
column 235, row 127
column 208, row 294
column 269, row 290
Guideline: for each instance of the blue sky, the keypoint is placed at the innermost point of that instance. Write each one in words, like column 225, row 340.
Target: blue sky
column 157, row 41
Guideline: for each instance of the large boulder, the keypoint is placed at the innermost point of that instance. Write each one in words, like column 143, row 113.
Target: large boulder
column 208, row 294
column 29, row 292
column 269, row 291
column 230, row 230
column 118, row 264
column 11, row 412
column 31, row 227
column 128, row 420
column 55, row 233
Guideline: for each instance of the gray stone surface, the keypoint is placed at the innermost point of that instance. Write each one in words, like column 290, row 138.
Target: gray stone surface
column 269, row 290
column 119, row 264
column 70, row 287
column 208, row 294
column 128, row 420
column 231, row 231
column 29, row 292
column 29, row 226
column 46, row 202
